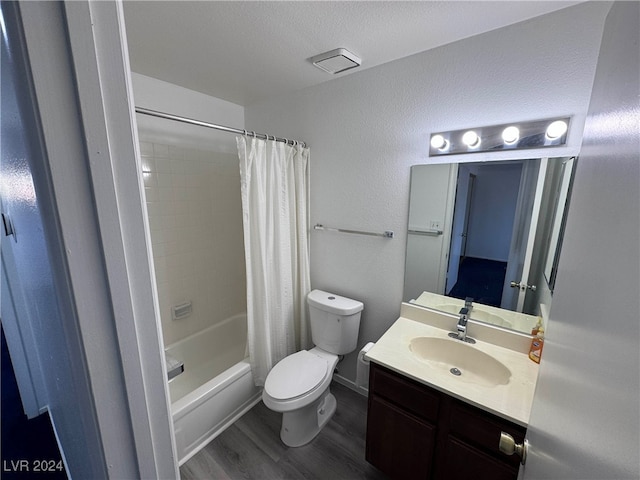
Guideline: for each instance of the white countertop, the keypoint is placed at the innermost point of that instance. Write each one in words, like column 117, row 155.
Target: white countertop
column 486, row 313
column 511, row 401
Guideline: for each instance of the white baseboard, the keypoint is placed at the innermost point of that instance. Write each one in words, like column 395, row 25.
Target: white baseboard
column 350, row 384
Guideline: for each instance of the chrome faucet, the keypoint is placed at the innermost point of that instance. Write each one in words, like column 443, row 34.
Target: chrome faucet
column 461, row 327
column 468, row 303
column 462, row 323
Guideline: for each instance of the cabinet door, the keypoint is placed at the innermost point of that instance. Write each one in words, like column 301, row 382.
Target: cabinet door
column 410, row 396
column 464, row 462
column 482, row 430
column 398, row 444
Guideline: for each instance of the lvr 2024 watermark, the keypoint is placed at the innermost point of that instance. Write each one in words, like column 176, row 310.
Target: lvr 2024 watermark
column 34, row 466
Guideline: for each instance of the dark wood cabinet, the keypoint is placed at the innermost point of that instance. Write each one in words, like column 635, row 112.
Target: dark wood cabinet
column 417, row 432
column 401, row 444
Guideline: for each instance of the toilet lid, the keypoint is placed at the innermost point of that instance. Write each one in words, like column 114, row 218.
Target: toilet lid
column 295, row 375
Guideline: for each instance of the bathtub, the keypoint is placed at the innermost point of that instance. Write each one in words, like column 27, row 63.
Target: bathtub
column 216, row 387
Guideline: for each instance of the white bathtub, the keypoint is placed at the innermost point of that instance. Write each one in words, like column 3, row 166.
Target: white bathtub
column 216, row 387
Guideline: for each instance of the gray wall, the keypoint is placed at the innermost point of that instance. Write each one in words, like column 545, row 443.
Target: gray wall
column 493, row 210
column 366, row 130
column 585, row 421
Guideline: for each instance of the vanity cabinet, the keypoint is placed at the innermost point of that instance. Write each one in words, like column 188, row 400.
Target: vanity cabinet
column 414, row 431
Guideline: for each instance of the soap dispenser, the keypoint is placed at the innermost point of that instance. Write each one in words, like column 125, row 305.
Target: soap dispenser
column 536, row 328
column 537, row 342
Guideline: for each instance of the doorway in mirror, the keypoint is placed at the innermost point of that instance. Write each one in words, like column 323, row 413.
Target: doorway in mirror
column 480, row 279
column 484, row 221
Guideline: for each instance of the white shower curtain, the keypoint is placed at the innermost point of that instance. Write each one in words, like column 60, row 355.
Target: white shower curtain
column 275, row 202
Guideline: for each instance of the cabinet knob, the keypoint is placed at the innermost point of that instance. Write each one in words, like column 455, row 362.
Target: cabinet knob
column 509, row 446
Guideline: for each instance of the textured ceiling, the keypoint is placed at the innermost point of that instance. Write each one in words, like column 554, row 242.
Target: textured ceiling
column 245, row 52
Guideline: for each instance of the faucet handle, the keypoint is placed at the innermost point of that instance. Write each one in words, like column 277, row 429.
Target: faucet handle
column 464, row 311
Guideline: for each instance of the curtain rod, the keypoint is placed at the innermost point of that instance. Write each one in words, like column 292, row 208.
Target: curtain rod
column 177, row 118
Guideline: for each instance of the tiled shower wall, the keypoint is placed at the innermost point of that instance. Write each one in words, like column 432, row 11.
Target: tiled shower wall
column 195, row 216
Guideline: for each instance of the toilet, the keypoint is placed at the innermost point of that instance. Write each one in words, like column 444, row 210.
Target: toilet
column 298, row 385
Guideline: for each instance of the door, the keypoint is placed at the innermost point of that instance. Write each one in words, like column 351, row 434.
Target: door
column 26, row 283
column 522, row 240
column 585, row 421
column 483, row 228
column 525, row 286
column 460, row 224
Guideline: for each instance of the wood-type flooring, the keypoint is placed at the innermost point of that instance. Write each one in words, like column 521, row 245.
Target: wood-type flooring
column 251, row 448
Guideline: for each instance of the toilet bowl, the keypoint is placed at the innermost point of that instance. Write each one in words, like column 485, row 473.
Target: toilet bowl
column 298, row 385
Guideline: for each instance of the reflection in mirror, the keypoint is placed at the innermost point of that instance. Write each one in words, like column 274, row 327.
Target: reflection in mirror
column 560, row 209
column 490, row 231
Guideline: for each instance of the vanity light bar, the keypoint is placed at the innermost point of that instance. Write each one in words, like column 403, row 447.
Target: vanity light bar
column 551, row 132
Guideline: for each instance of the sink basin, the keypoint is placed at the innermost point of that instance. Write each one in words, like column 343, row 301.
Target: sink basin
column 448, row 308
column 476, row 314
column 460, row 360
column 487, row 317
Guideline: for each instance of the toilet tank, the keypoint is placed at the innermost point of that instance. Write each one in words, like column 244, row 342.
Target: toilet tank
column 335, row 321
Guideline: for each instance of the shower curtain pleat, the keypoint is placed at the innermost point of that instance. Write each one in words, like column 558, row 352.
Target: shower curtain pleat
column 275, row 201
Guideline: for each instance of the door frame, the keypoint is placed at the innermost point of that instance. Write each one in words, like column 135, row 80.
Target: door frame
column 77, row 54
column 467, row 214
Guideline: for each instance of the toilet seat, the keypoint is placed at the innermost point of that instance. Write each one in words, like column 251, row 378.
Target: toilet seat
column 295, row 376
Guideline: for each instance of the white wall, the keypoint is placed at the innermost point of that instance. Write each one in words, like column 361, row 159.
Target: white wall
column 192, row 192
column 430, row 198
column 366, row 129
column 195, row 217
column 493, row 208
column 585, row 421
column 165, row 97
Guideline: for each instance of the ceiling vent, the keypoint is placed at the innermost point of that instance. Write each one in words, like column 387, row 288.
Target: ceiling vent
column 336, row 61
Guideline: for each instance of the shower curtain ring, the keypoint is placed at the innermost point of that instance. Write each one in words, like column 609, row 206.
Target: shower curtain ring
column 254, row 134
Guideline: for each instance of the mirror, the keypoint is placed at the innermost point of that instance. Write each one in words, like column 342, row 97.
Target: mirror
column 491, row 231
column 561, row 207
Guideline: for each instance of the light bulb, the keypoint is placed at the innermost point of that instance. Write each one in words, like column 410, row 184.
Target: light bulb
column 510, row 135
column 556, row 129
column 439, row 142
column 471, row 139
